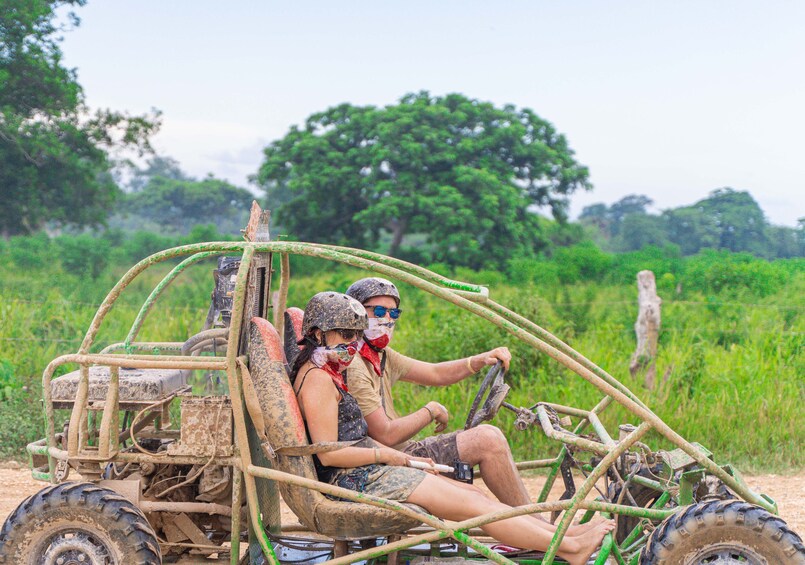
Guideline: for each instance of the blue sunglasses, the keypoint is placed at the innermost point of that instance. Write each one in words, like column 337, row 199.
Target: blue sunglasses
column 380, row 311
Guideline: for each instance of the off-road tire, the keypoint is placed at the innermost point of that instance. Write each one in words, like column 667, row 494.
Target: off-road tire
column 726, row 530
column 62, row 515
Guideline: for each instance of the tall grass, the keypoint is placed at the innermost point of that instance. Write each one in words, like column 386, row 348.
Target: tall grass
column 731, row 369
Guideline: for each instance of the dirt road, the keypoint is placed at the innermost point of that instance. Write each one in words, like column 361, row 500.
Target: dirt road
column 788, row 491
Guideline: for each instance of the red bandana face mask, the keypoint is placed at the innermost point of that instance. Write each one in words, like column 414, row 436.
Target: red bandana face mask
column 335, row 360
column 379, row 332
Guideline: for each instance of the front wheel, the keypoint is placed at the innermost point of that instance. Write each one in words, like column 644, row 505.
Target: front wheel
column 723, row 532
column 78, row 523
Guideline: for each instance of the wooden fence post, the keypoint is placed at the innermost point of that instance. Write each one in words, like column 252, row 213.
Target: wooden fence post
column 647, row 328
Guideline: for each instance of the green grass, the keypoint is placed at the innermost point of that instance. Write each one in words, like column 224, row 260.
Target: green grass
column 731, row 369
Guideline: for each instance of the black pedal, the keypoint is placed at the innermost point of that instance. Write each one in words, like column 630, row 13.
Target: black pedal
column 463, row 472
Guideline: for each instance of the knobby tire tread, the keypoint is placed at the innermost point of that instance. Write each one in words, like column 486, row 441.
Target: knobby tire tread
column 652, row 553
column 109, row 505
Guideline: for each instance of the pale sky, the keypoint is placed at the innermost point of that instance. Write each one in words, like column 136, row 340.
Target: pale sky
column 670, row 99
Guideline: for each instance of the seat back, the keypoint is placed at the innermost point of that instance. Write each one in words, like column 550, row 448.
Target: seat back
column 293, row 333
column 283, row 419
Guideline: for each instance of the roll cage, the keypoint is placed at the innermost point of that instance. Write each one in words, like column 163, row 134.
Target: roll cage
column 251, row 297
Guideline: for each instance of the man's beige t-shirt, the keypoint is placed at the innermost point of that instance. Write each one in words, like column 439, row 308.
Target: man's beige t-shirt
column 373, row 392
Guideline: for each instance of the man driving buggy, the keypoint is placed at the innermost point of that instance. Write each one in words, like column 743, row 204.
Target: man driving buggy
column 372, row 377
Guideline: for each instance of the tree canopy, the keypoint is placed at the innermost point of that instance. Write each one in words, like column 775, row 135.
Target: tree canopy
column 55, row 153
column 726, row 219
column 610, row 219
column 178, row 204
column 463, row 174
column 156, row 166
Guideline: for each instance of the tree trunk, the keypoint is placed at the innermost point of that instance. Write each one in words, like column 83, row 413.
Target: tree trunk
column 647, row 328
column 398, row 228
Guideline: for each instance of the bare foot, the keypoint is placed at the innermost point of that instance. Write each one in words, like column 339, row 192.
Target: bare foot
column 585, row 545
column 575, row 529
column 578, row 529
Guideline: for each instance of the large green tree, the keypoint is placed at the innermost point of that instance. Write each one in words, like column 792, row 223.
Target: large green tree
column 466, row 175
column 54, row 151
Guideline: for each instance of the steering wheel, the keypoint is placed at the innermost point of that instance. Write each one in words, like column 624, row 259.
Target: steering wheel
column 497, row 391
column 205, row 339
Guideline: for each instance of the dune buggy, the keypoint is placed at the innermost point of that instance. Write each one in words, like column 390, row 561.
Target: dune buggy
column 208, row 489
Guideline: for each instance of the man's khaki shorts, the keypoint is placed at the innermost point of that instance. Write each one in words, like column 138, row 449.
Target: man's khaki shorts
column 443, row 449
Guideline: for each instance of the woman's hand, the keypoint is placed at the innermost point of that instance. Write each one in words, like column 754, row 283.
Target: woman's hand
column 390, row 456
column 427, row 461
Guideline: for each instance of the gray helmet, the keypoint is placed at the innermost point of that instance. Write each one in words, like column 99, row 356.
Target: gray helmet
column 370, row 287
column 333, row 310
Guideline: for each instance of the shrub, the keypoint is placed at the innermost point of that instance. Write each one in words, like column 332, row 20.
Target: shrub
column 541, row 272
column 142, row 244
column 7, row 382
column 203, row 232
column 20, row 422
column 115, row 237
column 659, row 260
column 83, row 255
column 521, row 271
column 28, row 252
column 713, row 271
column 441, row 268
column 483, row 277
column 584, row 261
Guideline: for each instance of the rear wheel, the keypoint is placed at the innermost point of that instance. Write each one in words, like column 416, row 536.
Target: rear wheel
column 78, row 524
column 723, row 533
column 644, row 497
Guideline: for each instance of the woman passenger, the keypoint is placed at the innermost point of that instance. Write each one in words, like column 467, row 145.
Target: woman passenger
column 333, row 327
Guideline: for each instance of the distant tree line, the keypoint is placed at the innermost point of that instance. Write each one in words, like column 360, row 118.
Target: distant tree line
column 726, row 220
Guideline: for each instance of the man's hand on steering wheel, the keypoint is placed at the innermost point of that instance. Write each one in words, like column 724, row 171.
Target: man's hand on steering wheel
column 494, row 389
column 492, row 356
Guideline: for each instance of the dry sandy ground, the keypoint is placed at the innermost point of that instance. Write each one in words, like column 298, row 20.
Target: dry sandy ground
column 788, row 491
